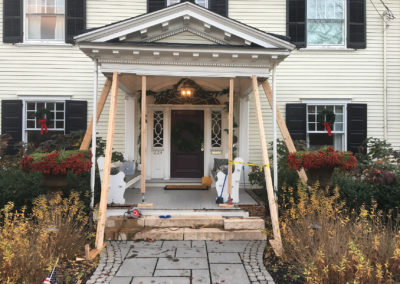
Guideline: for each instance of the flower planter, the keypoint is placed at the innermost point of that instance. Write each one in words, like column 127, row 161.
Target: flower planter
column 323, row 175
column 53, row 184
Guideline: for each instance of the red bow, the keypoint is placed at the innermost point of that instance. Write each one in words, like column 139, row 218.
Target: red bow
column 327, row 126
column 43, row 126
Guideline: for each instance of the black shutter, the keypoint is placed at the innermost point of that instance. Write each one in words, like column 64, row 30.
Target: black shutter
column 11, row 122
column 296, row 121
column 75, row 115
column 356, row 126
column 356, row 24
column 296, row 11
column 75, row 18
column 219, row 6
column 12, row 21
column 155, row 5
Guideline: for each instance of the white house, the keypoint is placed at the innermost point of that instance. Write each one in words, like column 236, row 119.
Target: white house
column 343, row 55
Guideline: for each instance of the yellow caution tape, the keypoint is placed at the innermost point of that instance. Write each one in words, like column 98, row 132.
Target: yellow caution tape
column 248, row 164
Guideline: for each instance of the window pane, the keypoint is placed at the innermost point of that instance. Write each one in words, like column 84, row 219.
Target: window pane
column 201, row 2
column 339, row 118
column 311, row 118
column 338, row 126
column 33, row 27
column 32, row 6
column 30, row 115
column 51, row 8
column 48, row 27
column 30, row 124
column 172, row 2
column 51, row 124
column 60, row 7
column 325, row 32
column 311, row 109
column 312, row 126
column 59, row 115
column 318, row 140
column 60, row 106
column 50, row 106
column 59, row 124
column 338, row 109
column 40, row 106
column 320, row 127
column 31, row 106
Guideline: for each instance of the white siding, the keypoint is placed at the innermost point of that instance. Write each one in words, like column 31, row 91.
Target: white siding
column 352, row 74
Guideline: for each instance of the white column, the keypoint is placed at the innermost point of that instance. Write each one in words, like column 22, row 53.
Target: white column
column 275, row 152
column 130, row 123
column 244, row 134
column 93, row 169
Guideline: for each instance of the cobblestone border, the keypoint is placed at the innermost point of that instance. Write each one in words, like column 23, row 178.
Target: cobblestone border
column 115, row 252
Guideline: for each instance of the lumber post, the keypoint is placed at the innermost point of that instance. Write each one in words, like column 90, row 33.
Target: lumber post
column 283, row 128
column 100, row 105
column 230, row 137
column 107, row 164
column 276, row 243
column 143, row 137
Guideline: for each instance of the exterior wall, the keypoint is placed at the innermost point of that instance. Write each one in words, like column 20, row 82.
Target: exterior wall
column 358, row 75
column 346, row 74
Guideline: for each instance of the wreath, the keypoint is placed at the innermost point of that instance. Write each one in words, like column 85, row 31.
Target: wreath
column 326, row 118
column 44, row 117
column 184, row 144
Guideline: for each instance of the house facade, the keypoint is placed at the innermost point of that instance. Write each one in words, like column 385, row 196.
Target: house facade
column 341, row 55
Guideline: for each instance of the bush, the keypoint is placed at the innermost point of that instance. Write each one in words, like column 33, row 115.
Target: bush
column 31, row 243
column 330, row 244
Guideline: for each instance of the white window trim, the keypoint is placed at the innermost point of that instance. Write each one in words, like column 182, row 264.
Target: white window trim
column 324, row 102
column 169, row 3
column 331, row 46
column 51, row 99
column 40, row 42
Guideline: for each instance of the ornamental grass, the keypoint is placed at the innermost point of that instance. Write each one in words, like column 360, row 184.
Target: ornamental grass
column 31, row 243
column 329, row 244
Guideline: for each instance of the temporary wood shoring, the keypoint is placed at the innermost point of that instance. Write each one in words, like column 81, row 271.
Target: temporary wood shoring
column 100, row 105
column 276, row 243
column 230, row 136
column 107, row 163
column 283, row 128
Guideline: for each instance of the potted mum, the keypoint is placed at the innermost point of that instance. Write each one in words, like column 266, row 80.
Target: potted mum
column 55, row 165
column 320, row 164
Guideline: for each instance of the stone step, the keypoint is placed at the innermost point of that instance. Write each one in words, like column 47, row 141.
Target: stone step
column 251, row 223
column 215, row 234
column 214, row 221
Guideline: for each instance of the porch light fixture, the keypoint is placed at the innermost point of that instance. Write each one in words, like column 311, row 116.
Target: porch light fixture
column 186, row 90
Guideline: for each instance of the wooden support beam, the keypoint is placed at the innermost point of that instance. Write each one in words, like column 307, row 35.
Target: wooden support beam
column 100, row 105
column 143, row 135
column 283, row 128
column 276, row 243
column 230, row 136
column 107, row 163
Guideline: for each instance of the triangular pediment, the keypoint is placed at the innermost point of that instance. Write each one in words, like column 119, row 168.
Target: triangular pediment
column 184, row 23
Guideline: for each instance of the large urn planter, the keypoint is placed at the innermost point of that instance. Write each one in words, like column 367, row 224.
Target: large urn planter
column 320, row 165
column 54, row 167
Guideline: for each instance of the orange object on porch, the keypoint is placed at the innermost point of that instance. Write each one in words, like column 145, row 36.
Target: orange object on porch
column 206, row 181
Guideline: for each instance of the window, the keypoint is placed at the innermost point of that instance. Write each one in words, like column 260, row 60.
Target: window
column 325, row 22
column 158, row 129
column 216, row 129
column 45, row 20
column 317, row 135
column 32, row 126
column 203, row 3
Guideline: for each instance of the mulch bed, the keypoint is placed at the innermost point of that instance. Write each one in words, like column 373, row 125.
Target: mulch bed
column 72, row 271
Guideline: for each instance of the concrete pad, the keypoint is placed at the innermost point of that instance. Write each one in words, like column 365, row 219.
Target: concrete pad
column 161, row 280
column 224, row 257
column 204, row 234
column 244, row 224
column 137, row 267
column 121, row 280
column 182, row 263
column 228, row 273
column 143, row 244
column 248, row 235
column 198, row 244
column 151, row 252
column 200, row 277
column 177, row 244
column 191, row 252
column 172, row 272
column 226, row 246
column 160, row 234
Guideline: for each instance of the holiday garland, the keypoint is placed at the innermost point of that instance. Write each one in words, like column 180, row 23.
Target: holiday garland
column 184, row 144
column 44, row 117
column 326, row 118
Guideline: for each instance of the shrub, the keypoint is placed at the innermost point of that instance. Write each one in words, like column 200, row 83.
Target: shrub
column 31, row 243
column 329, row 244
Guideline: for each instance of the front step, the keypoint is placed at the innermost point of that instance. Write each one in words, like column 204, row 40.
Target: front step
column 185, row 228
column 225, row 212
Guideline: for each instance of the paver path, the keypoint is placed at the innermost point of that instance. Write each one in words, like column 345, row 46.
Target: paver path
column 182, row 262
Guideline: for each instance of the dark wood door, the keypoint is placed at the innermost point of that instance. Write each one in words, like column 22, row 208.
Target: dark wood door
column 187, row 137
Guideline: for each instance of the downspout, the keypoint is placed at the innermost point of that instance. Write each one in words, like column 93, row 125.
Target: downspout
column 93, row 169
column 385, row 122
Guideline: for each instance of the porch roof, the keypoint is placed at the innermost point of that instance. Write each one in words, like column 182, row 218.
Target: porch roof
column 145, row 45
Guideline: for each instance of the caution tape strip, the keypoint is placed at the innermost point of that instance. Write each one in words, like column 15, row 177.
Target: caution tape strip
column 248, row 164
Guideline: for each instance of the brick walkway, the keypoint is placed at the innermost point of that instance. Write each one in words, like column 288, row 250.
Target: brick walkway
column 182, row 262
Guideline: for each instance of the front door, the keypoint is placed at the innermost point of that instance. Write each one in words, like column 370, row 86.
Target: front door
column 187, row 148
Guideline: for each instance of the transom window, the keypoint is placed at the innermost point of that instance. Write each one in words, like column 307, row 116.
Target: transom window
column 57, row 110
column 317, row 135
column 45, row 20
column 325, row 22
column 203, row 3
